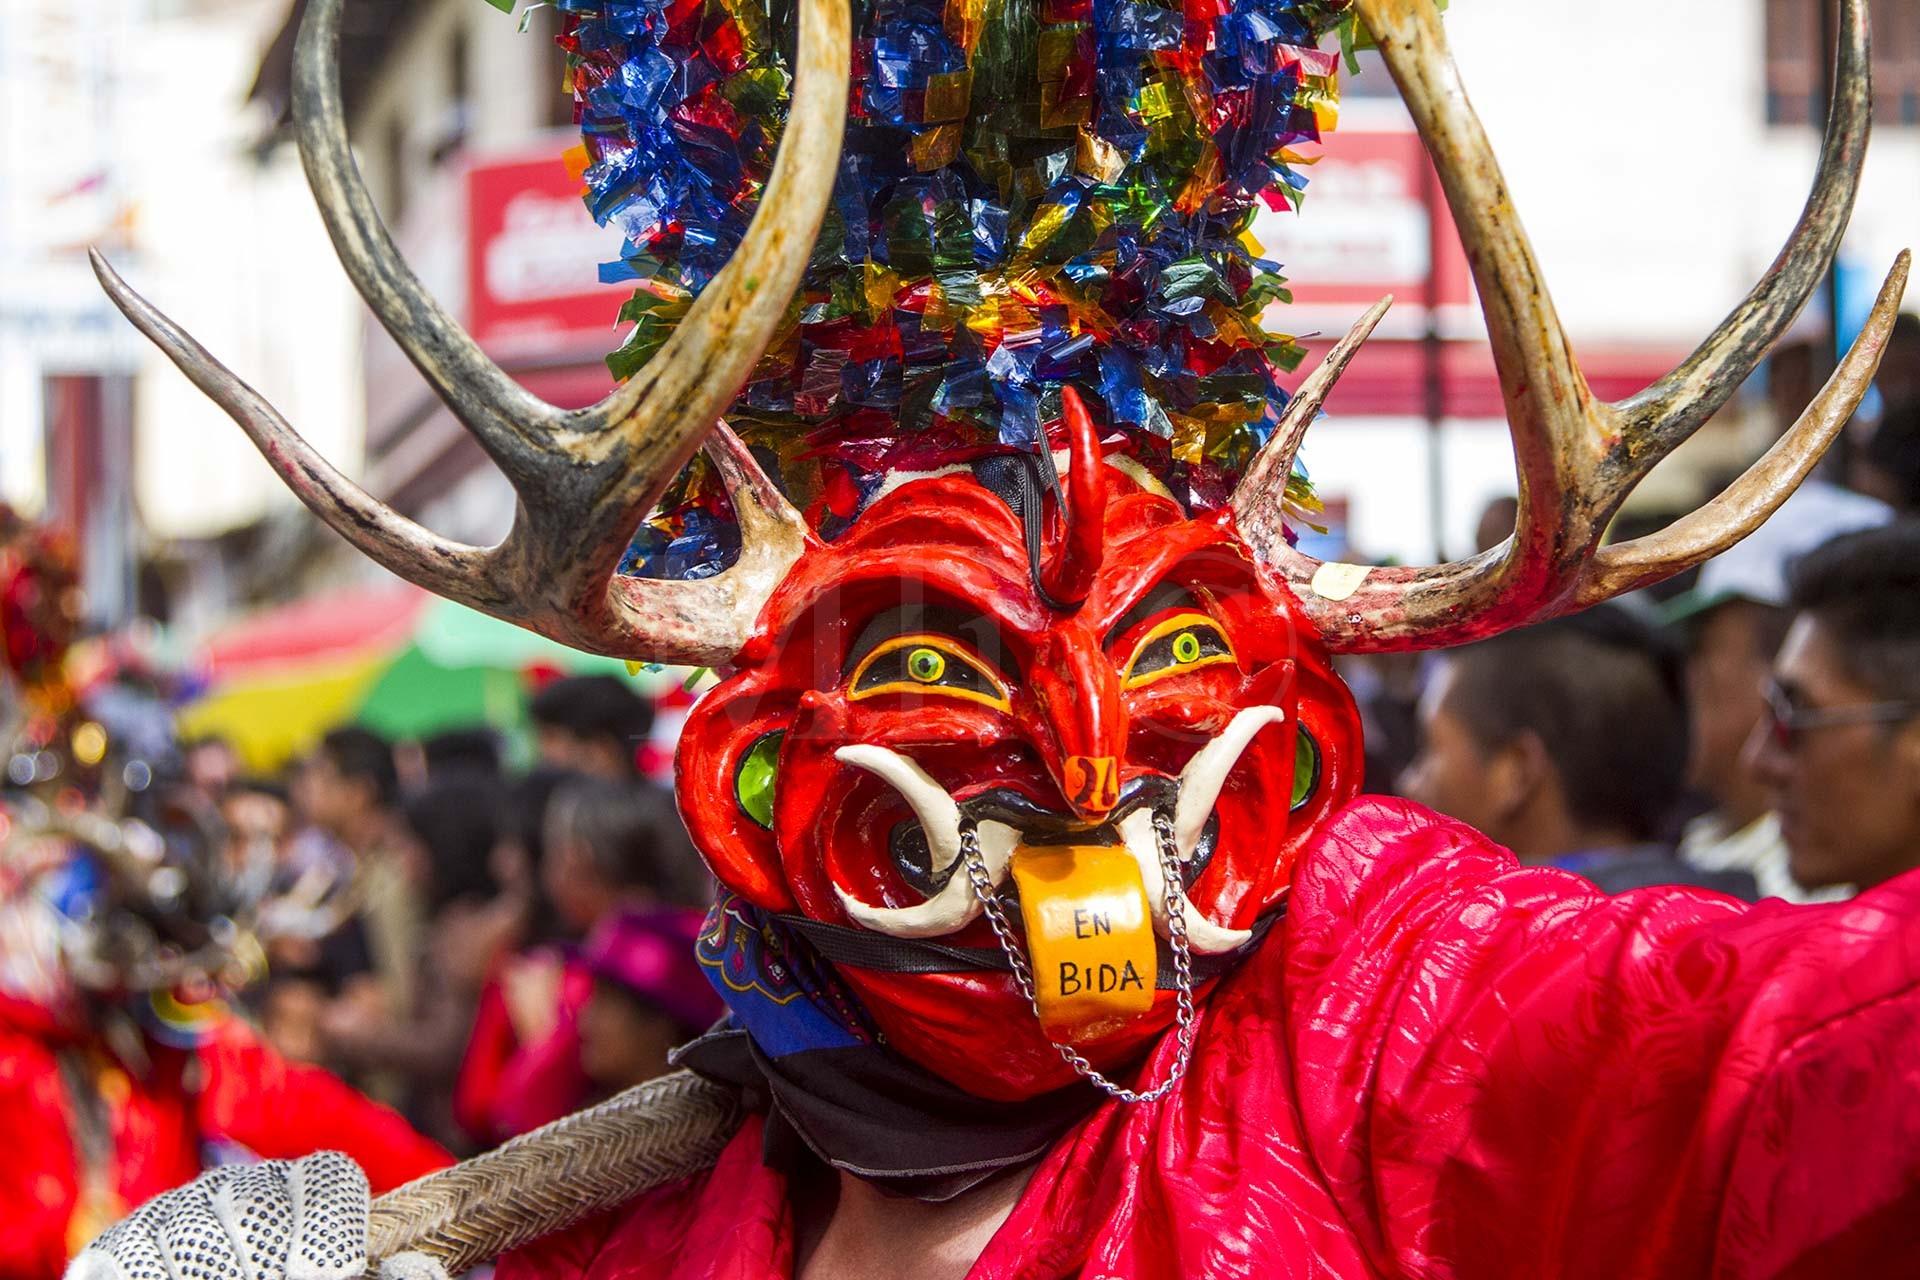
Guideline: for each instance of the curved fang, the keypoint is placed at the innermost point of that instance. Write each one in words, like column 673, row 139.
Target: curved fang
column 948, row 911
column 938, row 815
column 954, row 905
column 1203, row 935
column 1206, row 773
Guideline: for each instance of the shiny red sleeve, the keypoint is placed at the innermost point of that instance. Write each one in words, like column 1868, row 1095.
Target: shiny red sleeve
column 1503, row 1071
column 280, row 1110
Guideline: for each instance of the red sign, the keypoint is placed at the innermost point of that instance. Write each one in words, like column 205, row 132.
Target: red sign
column 1365, row 227
column 533, row 254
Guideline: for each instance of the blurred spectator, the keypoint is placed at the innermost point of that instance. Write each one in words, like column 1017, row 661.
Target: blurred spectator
column 1734, row 619
column 1888, row 467
column 258, row 819
column 210, row 768
column 1496, row 523
column 1386, row 688
column 516, row 1073
column 612, row 844
column 607, row 848
column 649, row 996
column 473, row 751
column 1898, row 379
column 1794, row 374
column 1840, row 749
column 314, row 945
column 521, row 853
column 349, row 790
column 1567, row 743
column 471, row 923
column 594, row 725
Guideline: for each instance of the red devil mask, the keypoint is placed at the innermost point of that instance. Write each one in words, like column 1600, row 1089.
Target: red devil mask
column 922, row 683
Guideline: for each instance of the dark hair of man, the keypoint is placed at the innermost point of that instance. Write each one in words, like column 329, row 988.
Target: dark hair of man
column 1864, row 588
column 1604, row 697
column 634, row 836
column 1906, row 328
column 365, row 756
column 594, row 707
column 1894, row 448
column 457, row 820
column 524, row 818
column 455, row 750
column 1768, row 630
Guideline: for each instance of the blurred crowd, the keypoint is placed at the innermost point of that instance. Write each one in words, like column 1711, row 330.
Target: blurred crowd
column 1752, row 727
column 484, row 950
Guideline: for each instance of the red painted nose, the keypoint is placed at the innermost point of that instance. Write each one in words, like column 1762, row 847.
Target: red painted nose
column 1082, row 721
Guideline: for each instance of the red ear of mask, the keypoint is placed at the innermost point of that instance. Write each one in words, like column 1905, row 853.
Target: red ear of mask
column 715, row 747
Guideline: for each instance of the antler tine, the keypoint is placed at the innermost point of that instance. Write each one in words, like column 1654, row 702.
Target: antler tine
column 417, row 554
column 1556, row 426
column 712, row 613
column 1577, row 459
column 1670, row 410
column 1745, row 504
column 585, row 479
column 514, row 426
column 1259, row 500
column 665, row 410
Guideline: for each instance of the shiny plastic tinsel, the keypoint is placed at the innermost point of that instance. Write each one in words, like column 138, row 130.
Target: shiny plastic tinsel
column 1033, row 193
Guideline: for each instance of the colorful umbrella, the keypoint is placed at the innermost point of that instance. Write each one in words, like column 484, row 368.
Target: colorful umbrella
column 396, row 660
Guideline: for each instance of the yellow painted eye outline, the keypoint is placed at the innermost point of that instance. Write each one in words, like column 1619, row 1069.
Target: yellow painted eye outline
column 927, row 664
column 1185, row 642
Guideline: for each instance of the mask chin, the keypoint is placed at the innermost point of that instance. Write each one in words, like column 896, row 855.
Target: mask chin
column 979, row 1034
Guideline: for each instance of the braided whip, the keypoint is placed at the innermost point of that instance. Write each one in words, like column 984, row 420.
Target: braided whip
column 541, row 1182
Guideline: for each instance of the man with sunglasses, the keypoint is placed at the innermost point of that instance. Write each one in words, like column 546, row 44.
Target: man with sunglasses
column 1839, row 747
column 1732, row 623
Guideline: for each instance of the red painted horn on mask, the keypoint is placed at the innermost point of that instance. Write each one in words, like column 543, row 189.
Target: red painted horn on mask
column 1077, row 535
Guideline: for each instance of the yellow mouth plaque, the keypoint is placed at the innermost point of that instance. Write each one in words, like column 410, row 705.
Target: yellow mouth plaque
column 1089, row 936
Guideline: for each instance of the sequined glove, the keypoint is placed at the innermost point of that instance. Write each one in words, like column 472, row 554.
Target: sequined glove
column 279, row 1220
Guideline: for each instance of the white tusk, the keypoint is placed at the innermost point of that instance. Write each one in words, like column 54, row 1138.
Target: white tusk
column 1206, row 773
column 950, row 910
column 939, row 816
column 1203, row 935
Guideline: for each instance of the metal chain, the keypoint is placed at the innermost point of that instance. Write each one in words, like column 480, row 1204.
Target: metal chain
column 1176, row 902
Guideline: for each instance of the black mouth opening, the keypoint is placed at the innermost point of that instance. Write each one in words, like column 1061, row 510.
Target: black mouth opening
column 1038, row 825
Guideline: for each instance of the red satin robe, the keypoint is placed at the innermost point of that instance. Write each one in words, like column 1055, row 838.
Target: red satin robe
column 231, row 1088
column 1446, row 1065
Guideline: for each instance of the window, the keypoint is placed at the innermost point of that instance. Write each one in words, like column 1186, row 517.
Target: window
column 457, row 117
column 1798, row 66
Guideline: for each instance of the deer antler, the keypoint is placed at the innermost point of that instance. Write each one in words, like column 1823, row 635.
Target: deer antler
column 1577, row 458
column 585, row 478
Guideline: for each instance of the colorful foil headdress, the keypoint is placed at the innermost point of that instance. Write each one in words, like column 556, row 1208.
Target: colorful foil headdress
column 1032, row 194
